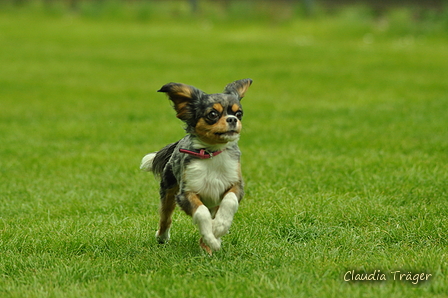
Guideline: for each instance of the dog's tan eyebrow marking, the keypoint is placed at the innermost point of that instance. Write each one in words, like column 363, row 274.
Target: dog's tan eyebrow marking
column 235, row 108
column 218, row 107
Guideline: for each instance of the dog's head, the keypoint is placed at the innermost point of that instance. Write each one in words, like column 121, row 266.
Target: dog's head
column 213, row 118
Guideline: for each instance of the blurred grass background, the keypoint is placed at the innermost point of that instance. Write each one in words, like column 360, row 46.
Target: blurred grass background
column 344, row 147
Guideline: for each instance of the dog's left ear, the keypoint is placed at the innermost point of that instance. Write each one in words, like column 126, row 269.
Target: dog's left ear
column 182, row 95
column 238, row 87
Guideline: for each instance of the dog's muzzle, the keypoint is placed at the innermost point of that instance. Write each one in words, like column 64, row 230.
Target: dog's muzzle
column 232, row 121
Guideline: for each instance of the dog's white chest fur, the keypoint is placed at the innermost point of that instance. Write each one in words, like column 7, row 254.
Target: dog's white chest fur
column 210, row 178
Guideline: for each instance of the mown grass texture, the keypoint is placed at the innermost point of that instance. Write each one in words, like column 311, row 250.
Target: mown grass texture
column 344, row 157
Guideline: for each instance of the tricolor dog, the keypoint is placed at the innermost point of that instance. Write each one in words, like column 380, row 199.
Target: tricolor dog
column 202, row 171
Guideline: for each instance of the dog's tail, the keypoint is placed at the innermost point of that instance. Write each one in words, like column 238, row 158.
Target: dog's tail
column 156, row 161
column 147, row 162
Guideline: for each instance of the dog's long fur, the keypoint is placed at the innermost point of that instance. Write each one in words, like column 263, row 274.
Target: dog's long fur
column 202, row 171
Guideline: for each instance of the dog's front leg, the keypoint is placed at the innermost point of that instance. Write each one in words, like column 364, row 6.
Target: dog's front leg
column 203, row 219
column 224, row 216
column 193, row 206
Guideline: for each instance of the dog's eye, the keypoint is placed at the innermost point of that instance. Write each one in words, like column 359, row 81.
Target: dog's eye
column 213, row 115
column 239, row 114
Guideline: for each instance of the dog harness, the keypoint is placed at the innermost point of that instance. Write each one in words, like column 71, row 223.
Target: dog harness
column 202, row 154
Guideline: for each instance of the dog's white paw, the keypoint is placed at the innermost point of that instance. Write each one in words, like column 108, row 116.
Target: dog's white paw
column 163, row 238
column 220, row 227
column 213, row 243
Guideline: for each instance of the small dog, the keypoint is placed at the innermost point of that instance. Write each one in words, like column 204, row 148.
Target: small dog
column 202, row 171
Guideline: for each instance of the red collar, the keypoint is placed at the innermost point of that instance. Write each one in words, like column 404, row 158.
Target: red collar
column 202, row 153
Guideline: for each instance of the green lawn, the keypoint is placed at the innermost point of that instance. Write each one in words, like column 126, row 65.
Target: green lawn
column 344, row 147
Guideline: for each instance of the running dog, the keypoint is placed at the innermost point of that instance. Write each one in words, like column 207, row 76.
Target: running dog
column 202, row 171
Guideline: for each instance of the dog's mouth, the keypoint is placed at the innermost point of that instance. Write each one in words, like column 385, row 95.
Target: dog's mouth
column 227, row 133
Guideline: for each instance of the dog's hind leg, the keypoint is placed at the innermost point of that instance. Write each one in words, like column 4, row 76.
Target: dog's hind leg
column 167, row 205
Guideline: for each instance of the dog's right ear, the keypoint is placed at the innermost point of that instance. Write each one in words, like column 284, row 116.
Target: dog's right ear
column 182, row 95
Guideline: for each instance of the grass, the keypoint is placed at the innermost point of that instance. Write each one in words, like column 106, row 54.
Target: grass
column 344, row 155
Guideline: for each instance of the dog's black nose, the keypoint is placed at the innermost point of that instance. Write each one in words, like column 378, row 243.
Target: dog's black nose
column 232, row 120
